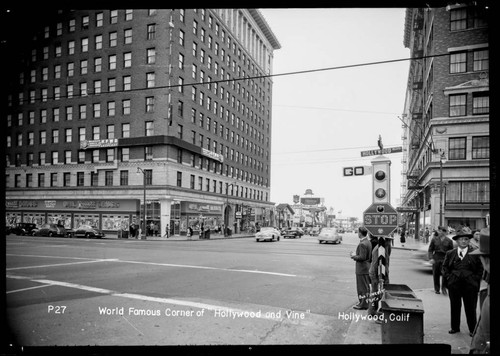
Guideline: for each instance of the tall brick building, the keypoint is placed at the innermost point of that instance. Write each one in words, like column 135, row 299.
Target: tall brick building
column 105, row 107
column 446, row 132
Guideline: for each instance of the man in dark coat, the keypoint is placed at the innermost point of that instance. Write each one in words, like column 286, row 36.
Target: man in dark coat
column 438, row 247
column 462, row 272
column 363, row 258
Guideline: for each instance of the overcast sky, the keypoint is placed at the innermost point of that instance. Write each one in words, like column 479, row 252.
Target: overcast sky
column 323, row 120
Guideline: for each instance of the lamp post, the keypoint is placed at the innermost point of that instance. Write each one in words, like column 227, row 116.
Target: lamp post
column 226, row 213
column 441, row 161
column 140, row 170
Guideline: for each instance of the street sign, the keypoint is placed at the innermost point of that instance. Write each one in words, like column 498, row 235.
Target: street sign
column 357, row 171
column 380, row 219
column 382, row 151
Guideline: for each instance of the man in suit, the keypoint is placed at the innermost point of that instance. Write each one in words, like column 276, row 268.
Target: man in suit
column 363, row 258
column 438, row 247
column 462, row 272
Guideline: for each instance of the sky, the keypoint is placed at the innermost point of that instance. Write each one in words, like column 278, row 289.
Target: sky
column 321, row 121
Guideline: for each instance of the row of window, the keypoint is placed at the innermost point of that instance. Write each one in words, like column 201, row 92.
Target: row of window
column 458, row 104
column 210, row 185
column 459, row 61
column 467, row 17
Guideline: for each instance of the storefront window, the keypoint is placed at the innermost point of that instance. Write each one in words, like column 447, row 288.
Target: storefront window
column 34, row 218
column 86, row 219
column 12, row 218
column 115, row 222
column 60, row 219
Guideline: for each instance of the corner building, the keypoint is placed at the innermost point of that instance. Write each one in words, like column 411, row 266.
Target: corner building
column 108, row 107
column 446, row 135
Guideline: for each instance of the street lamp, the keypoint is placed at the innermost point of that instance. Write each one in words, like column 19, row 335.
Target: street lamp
column 442, row 160
column 140, row 170
column 226, row 213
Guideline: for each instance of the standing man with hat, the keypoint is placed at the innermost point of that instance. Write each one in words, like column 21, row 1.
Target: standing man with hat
column 462, row 272
column 438, row 247
column 362, row 257
column 481, row 337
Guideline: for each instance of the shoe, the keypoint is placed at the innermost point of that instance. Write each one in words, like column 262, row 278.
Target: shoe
column 445, row 291
column 453, row 331
column 360, row 307
column 437, row 292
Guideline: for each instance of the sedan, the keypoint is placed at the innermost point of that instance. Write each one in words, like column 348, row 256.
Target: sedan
column 50, row 230
column 329, row 234
column 294, row 232
column 268, row 234
column 22, row 229
column 88, row 231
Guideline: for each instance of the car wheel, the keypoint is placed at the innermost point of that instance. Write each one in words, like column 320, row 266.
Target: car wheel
column 50, row 234
column 320, row 241
column 87, row 235
column 257, row 240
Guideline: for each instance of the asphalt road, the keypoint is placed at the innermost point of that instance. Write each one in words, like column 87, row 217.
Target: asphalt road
column 231, row 292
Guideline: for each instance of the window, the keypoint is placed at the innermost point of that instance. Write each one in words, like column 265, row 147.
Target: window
column 457, row 148
column 180, row 108
column 150, row 80
column 148, row 176
column 96, row 110
column 148, row 153
column 110, row 155
column 125, row 130
column 95, row 156
column 127, row 82
column 126, row 107
column 41, row 180
column 128, row 36
column 191, row 181
column 181, row 38
column 110, row 131
column 80, row 179
column 481, row 147
column 468, row 192
column 85, row 45
column 111, row 84
column 149, row 128
column 151, row 30
column 67, row 157
column 94, row 179
column 99, row 19
column 179, row 179
column 123, row 177
column 181, row 61
column 112, row 62
column 83, row 111
column 150, row 104
column 481, row 60
column 108, row 178
column 480, row 103
column 55, row 157
column 180, row 131
column 96, row 132
column 68, row 135
column 113, row 16
column 124, row 153
column 458, row 105
column 458, row 62
column 98, row 41
column 55, row 136
column 127, row 60
column 98, row 64
column 150, row 55
column 41, row 159
column 53, row 179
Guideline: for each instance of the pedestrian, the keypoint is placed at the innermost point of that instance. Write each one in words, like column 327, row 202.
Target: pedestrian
column 362, row 267
column 402, row 238
column 462, row 272
column 426, row 235
column 167, row 231
column 440, row 244
column 474, row 242
column 481, row 336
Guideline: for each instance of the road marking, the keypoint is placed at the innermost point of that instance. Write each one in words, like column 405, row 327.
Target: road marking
column 185, row 303
column 157, row 264
column 43, row 256
column 210, row 268
column 59, row 264
column 22, row 290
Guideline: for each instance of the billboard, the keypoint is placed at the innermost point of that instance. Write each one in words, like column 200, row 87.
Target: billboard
column 310, row 201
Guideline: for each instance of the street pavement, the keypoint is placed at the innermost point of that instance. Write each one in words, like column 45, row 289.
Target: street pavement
column 436, row 317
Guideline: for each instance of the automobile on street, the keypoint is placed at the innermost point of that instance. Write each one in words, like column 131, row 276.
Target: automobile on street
column 268, row 234
column 88, row 232
column 293, row 232
column 329, row 234
column 50, row 230
column 22, row 229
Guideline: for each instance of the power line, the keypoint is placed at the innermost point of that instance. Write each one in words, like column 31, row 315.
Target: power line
column 250, row 78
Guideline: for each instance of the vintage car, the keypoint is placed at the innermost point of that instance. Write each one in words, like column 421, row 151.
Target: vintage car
column 293, row 232
column 22, row 229
column 315, row 231
column 268, row 234
column 88, row 232
column 50, row 230
column 329, row 234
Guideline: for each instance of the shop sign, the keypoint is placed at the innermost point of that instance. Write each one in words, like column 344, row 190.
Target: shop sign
column 212, row 155
column 110, row 142
column 198, row 208
column 18, row 204
column 131, row 204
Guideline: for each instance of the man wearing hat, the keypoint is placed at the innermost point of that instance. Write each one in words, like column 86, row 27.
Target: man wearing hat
column 462, row 272
column 481, row 337
column 440, row 244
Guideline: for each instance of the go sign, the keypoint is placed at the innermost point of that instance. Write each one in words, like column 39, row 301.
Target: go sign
column 380, row 219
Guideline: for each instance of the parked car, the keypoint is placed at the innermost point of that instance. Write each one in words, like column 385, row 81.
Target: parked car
column 268, row 234
column 88, row 232
column 22, row 229
column 50, row 230
column 293, row 232
column 329, row 234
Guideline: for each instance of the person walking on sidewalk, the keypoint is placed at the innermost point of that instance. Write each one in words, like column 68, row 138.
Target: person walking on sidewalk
column 462, row 272
column 440, row 244
column 362, row 257
column 481, row 336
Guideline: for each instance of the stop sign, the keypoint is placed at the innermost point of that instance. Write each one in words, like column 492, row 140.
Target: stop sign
column 380, row 219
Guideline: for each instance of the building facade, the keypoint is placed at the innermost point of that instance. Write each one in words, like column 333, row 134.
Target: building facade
column 446, row 136
column 168, row 107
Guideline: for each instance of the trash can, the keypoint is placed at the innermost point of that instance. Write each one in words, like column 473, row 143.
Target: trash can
column 403, row 321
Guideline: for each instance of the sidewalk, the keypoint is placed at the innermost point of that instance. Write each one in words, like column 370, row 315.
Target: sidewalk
column 213, row 236
column 436, row 318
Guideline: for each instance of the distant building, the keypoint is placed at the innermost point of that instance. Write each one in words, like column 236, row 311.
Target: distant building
column 447, row 117
column 104, row 104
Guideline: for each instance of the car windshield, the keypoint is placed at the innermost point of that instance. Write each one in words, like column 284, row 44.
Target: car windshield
column 267, row 229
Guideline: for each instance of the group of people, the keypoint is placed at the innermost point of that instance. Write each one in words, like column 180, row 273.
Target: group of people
column 368, row 281
column 463, row 272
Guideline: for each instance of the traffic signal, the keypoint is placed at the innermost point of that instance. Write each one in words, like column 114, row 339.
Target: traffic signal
column 381, row 180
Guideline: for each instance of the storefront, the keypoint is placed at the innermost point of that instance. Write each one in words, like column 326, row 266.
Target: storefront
column 196, row 215
column 109, row 215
